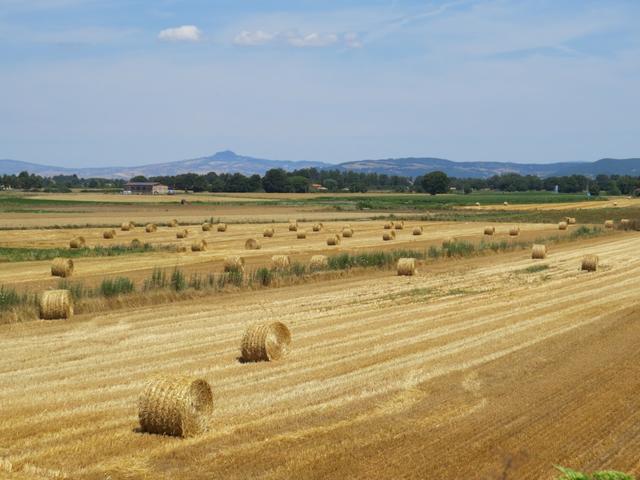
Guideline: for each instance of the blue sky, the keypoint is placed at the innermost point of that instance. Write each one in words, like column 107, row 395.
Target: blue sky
column 114, row 82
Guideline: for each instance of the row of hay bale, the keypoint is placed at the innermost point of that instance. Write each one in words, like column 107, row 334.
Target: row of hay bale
column 589, row 262
column 182, row 406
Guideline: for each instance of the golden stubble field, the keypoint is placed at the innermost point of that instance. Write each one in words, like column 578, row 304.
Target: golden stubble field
column 472, row 369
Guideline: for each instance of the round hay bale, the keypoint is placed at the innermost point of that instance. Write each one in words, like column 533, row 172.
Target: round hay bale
column 514, row 231
column 570, row 220
column 150, row 228
column 252, row 244
column 265, row 342
column 590, row 263
column 126, row 226
column 489, row 230
column 222, row 227
column 624, row 222
column 176, row 405
column 135, row 243
column 293, row 227
column 172, row 223
column 108, row 234
column 77, row 242
column 347, row 232
column 280, row 262
column 55, row 305
column 301, row 234
column 234, row 263
column 184, row 201
column 181, row 248
column 398, row 225
column 206, row 226
column 182, row 233
column 62, row 267
column 199, row 245
column 608, row 224
column 386, row 236
column 318, row 262
column 477, row 204
column 562, row 226
column 417, row 230
column 388, row 225
column 407, row 266
column 317, row 227
column 268, row 232
column 333, row 240
column 615, row 204
column 539, row 251
column 506, row 204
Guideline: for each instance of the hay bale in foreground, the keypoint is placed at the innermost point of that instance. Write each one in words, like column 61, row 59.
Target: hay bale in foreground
column 176, row 405
column 333, row 240
column 55, row 305
column 386, row 236
column 489, row 230
column 562, row 226
column 347, row 232
column 514, row 231
column 293, row 227
column 182, row 233
column 77, row 242
column 126, row 226
column 317, row 227
column 608, row 224
column 265, row 342
column 318, row 262
column 398, row 225
column 150, row 227
column 199, row 245
column 301, row 234
column 407, row 266
column 108, row 234
column 222, row 227
column 252, row 244
column 590, row 263
column 234, row 263
column 539, row 251
column 417, row 231
column 388, row 225
column 280, row 262
column 570, row 220
column 268, row 232
column 206, row 226
column 62, row 267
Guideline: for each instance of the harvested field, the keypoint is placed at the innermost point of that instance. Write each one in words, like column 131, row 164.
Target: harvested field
column 387, row 377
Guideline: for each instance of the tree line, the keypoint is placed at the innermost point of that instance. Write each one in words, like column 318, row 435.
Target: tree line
column 303, row 180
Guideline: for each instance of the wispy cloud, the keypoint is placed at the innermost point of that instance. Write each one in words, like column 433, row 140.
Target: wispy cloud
column 258, row 38
column 185, row 33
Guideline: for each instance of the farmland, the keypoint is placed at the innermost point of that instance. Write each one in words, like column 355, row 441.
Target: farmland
column 485, row 364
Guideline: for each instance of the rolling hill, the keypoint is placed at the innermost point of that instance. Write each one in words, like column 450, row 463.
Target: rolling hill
column 230, row 162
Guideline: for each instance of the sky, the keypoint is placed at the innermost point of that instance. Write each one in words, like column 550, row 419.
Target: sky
column 128, row 82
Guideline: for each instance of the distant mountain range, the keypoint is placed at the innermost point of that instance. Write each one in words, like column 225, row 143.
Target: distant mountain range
column 230, row 162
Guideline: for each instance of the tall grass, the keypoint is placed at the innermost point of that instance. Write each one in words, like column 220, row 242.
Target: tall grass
column 18, row 254
column 111, row 287
column 568, row 474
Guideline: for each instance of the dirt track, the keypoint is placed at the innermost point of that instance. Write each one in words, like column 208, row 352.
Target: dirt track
column 455, row 374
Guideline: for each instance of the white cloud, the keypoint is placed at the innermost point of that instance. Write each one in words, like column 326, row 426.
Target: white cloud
column 312, row 40
column 185, row 33
column 251, row 39
column 293, row 38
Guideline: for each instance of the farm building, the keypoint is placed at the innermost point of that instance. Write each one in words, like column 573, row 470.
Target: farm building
column 146, row 188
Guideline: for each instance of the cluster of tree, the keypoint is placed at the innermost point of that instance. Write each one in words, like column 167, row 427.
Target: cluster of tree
column 279, row 180
column 438, row 182
column 57, row 183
